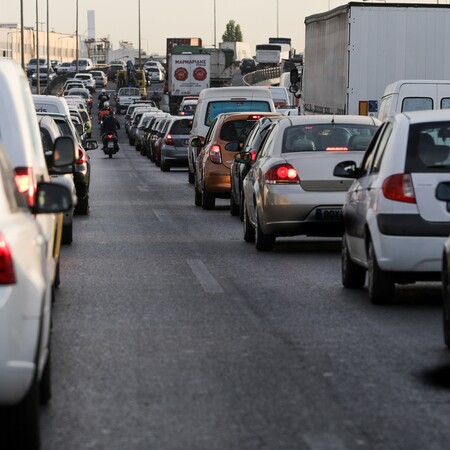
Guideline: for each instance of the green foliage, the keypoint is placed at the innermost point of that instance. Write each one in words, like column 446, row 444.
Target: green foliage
column 232, row 33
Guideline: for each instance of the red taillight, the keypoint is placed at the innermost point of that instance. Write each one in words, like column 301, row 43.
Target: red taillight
column 336, row 149
column 215, row 154
column 169, row 139
column 83, row 157
column 282, row 174
column 254, row 117
column 253, row 155
column 25, row 183
column 110, row 136
column 7, row 275
column 399, row 187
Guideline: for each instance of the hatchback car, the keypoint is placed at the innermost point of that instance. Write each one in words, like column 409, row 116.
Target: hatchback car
column 174, row 146
column 212, row 166
column 155, row 74
column 395, row 228
column 87, row 79
column 101, row 80
column 290, row 189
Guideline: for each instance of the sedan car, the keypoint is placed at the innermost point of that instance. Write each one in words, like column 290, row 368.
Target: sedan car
column 212, row 166
column 290, row 189
column 101, row 80
column 155, row 74
column 395, row 228
column 175, row 143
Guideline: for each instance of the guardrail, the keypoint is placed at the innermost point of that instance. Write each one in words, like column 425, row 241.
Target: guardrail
column 263, row 76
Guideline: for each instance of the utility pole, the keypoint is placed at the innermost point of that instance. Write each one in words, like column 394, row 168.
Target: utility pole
column 22, row 47
column 139, row 31
column 76, row 32
column 38, row 67
column 48, row 46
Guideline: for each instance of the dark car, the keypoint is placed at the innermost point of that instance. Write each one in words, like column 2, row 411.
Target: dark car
column 140, row 133
column 247, row 65
column 239, row 168
column 159, row 139
column 174, row 146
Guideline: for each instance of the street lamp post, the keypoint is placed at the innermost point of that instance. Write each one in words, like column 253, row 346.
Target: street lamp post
column 76, row 34
column 214, row 23
column 139, row 31
column 22, row 47
column 38, row 77
column 48, row 44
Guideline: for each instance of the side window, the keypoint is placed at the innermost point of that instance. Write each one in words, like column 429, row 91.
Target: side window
column 267, row 144
column 210, row 131
column 367, row 161
column 417, row 104
column 445, row 103
column 381, row 148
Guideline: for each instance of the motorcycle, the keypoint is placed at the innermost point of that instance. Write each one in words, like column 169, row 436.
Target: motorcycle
column 111, row 146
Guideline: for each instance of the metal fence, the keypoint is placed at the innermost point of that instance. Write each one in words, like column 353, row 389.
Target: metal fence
column 262, row 76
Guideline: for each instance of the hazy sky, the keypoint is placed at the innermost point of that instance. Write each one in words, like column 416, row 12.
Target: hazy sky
column 118, row 19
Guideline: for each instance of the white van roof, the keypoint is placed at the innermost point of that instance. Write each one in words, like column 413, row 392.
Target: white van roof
column 51, row 104
column 394, row 88
column 235, row 92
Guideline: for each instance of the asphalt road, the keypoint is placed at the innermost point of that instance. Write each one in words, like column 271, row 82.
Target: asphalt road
column 171, row 332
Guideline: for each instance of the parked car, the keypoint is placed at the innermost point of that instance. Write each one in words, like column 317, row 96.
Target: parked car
column 101, row 80
column 212, row 167
column 25, row 313
column 88, row 80
column 247, row 65
column 395, row 228
column 290, row 189
column 175, row 143
column 240, row 167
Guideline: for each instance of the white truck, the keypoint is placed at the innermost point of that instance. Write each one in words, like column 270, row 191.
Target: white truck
column 355, row 50
column 240, row 49
column 270, row 55
column 189, row 74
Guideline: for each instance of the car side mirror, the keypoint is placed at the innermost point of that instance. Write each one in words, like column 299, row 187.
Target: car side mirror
column 233, row 147
column 90, row 144
column 294, row 77
column 347, row 169
column 79, row 128
column 197, row 142
column 52, row 198
column 243, row 157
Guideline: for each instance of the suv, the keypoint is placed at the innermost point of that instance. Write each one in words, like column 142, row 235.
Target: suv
column 395, row 228
column 87, row 79
column 32, row 65
column 247, row 65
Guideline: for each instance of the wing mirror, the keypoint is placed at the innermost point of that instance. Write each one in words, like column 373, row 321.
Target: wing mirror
column 347, row 169
column 197, row 142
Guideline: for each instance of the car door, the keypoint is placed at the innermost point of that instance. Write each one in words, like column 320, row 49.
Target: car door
column 361, row 196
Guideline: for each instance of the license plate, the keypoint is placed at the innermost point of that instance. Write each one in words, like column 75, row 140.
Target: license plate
column 110, row 144
column 328, row 214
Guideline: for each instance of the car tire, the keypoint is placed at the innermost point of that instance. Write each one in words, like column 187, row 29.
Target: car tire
column 165, row 167
column 234, row 207
column 20, row 423
column 191, row 176
column 67, row 234
column 45, row 385
column 57, row 282
column 381, row 284
column 131, row 142
column 446, row 303
column 241, row 207
column 263, row 242
column 82, row 207
column 208, row 200
column 353, row 276
column 249, row 231
column 197, row 196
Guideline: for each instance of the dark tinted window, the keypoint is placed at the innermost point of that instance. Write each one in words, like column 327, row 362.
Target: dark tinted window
column 235, row 130
column 182, row 126
column 224, row 106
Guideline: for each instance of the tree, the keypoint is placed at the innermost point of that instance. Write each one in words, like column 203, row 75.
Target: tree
column 232, row 33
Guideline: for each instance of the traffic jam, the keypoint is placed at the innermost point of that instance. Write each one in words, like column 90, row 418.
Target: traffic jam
column 355, row 166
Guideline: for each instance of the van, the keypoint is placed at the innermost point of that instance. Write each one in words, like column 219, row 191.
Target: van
column 214, row 101
column 84, row 65
column 414, row 95
column 50, row 104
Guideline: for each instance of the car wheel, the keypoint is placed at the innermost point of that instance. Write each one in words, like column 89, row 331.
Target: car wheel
column 241, row 207
column 165, row 167
column 82, row 207
column 208, row 199
column 67, row 233
column 131, row 142
column 380, row 283
column 198, row 196
column 353, row 276
column 234, row 207
column 446, row 303
column 45, row 385
column 191, row 176
column 152, row 156
column 20, row 423
column 57, row 282
column 263, row 242
column 249, row 231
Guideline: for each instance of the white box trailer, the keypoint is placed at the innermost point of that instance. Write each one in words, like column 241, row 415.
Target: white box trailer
column 355, row 50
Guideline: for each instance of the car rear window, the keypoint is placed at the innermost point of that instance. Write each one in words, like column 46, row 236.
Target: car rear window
column 327, row 137
column 235, row 130
column 182, row 126
column 224, row 106
column 428, row 148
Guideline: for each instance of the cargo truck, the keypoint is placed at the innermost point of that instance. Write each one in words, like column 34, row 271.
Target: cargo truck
column 355, row 50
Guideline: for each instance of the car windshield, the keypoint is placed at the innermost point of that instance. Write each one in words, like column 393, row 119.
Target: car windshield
column 327, row 137
column 235, row 130
column 223, row 106
column 182, row 126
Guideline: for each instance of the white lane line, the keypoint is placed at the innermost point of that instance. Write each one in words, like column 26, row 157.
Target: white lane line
column 208, row 282
column 323, row 441
column 162, row 215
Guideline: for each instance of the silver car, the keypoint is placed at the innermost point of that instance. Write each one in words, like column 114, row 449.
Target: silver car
column 174, row 147
column 290, row 189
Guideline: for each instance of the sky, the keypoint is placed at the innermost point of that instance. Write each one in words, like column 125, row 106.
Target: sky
column 118, row 19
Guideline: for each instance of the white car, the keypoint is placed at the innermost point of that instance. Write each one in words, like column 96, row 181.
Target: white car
column 100, row 78
column 25, row 307
column 290, row 189
column 87, row 79
column 155, row 74
column 395, row 228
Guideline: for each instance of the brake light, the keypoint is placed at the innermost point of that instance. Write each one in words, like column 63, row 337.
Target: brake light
column 254, row 117
column 83, row 157
column 215, row 155
column 25, row 183
column 169, row 139
column 253, row 155
column 7, row 275
column 399, row 187
column 336, row 149
column 110, row 136
column 282, row 174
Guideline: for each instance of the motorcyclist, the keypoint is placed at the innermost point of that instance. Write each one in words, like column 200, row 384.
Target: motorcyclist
column 105, row 111
column 110, row 125
column 102, row 98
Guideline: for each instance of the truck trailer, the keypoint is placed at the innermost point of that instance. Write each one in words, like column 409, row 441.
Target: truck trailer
column 355, row 50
